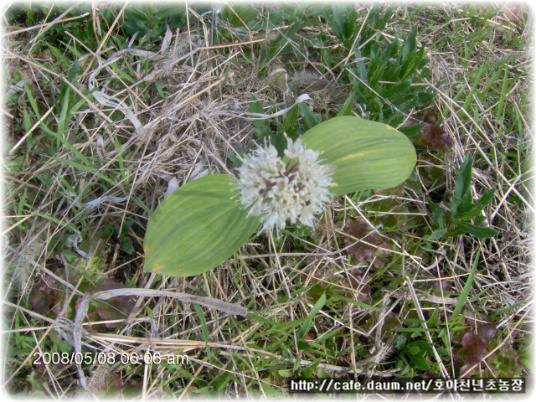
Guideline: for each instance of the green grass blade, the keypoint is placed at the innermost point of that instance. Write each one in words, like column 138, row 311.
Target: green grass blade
column 466, row 288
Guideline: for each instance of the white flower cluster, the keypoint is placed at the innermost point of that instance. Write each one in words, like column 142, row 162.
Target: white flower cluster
column 293, row 188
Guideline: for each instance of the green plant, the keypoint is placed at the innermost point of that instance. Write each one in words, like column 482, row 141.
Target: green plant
column 360, row 292
column 385, row 70
column 207, row 211
column 465, row 216
column 150, row 21
column 240, row 15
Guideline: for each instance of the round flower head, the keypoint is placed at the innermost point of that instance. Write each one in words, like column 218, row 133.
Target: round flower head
column 293, row 188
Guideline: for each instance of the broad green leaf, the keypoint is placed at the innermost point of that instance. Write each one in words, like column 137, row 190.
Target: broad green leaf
column 197, row 227
column 367, row 154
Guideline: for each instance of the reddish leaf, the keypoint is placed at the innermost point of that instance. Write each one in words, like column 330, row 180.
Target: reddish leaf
column 475, row 341
column 39, row 299
column 396, row 191
column 116, row 386
column 364, row 250
column 475, row 348
column 43, row 298
column 444, row 284
column 116, row 381
column 329, row 276
column 487, row 331
column 432, row 135
column 472, row 351
column 473, row 319
column 310, row 337
column 356, row 281
column 430, row 117
column 115, row 308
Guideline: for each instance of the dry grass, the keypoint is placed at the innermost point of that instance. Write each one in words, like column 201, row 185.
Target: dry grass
column 114, row 173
